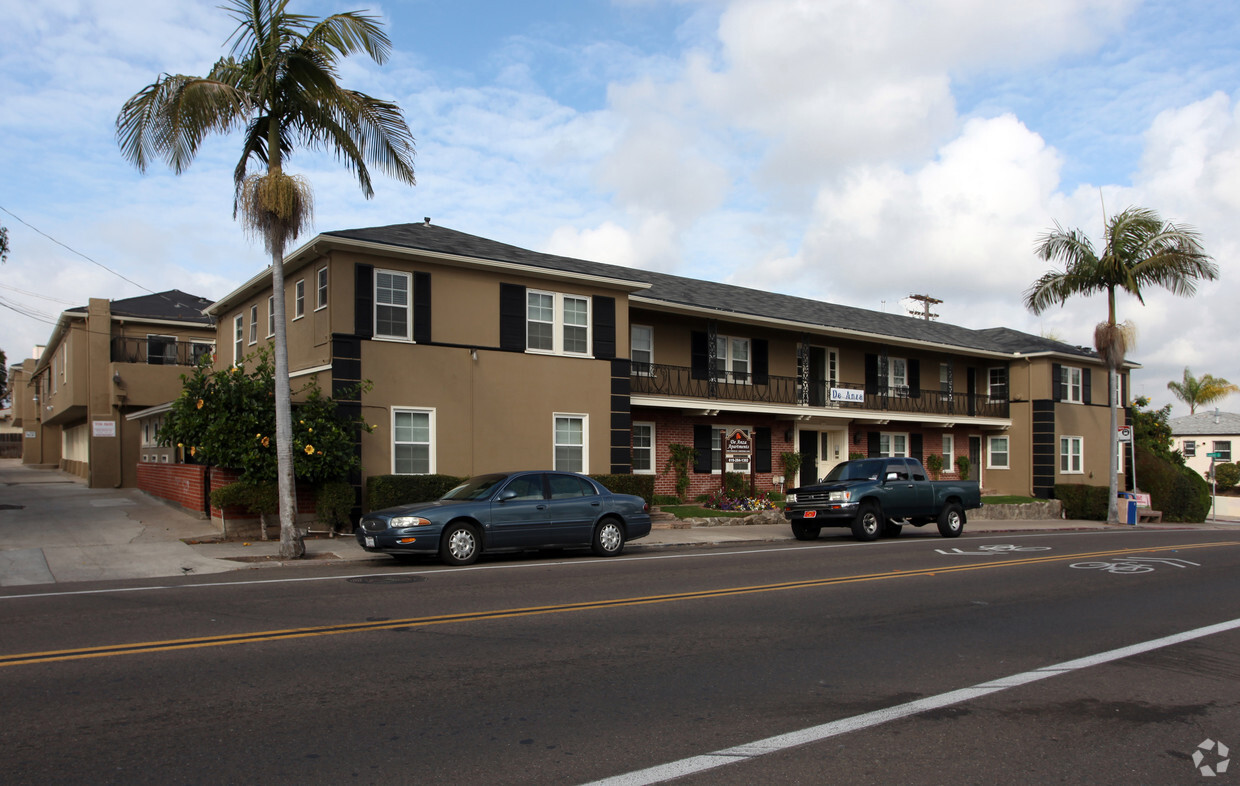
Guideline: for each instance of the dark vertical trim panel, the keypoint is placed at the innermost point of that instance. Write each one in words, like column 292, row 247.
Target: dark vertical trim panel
column 621, row 418
column 604, row 315
column 1056, row 379
column 915, row 446
column 762, row 449
column 512, row 317
column 701, row 443
column 698, row 355
column 364, row 300
column 1043, row 448
column 914, row 378
column 874, row 444
column 1087, row 385
column 761, row 363
column 871, row 374
column 422, row 307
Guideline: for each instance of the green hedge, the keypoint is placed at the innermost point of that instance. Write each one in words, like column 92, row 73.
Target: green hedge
column 637, row 485
column 386, row 491
column 1176, row 490
column 1084, row 503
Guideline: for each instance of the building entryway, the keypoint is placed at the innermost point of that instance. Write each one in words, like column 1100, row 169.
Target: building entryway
column 820, row 452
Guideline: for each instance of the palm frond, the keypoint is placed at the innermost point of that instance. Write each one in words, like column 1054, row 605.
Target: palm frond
column 170, row 117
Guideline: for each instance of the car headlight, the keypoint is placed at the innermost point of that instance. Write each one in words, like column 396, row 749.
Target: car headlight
column 839, row 496
column 790, row 498
column 401, row 522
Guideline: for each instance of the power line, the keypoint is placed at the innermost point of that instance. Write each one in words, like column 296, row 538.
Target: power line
column 75, row 251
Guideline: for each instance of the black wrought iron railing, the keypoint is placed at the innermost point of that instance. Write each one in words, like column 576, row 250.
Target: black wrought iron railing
column 658, row 379
column 159, row 350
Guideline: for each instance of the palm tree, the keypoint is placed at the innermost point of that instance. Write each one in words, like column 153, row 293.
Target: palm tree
column 1141, row 249
column 1200, row 392
column 278, row 86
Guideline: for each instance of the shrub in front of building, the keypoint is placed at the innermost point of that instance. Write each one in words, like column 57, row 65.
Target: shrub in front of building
column 1176, row 490
column 387, row 491
column 1081, row 502
column 637, row 485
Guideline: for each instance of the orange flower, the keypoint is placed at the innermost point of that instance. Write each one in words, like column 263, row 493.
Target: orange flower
column 193, row 451
column 309, row 450
column 266, row 442
column 200, row 403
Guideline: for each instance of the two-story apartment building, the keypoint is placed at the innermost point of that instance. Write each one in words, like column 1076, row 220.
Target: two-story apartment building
column 102, row 362
column 1198, row 435
column 483, row 356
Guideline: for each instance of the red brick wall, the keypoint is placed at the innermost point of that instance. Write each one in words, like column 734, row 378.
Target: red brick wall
column 184, row 485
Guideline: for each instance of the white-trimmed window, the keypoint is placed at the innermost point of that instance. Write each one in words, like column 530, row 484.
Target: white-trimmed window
column 254, row 324
column 997, row 384
column 949, row 452
column 557, row 323
column 320, row 293
column 1190, row 448
column 641, row 348
column 299, row 299
column 197, row 349
column 893, row 444
column 271, row 315
column 732, row 359
column 1222, row 446
column 1070, row 455
column 997, row 453
column 392, row 318
column 643, row 449
column 1070, row 384
column 571, row 442
column 238, row 339
column 413, row 440
column 897, row 377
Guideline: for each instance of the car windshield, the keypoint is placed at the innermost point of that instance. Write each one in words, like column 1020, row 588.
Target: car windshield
column 475, row 488
column 856, row 470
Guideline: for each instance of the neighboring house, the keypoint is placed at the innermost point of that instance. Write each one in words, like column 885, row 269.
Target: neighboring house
column 485, row 357
column 1198, row 435
column 102, row 362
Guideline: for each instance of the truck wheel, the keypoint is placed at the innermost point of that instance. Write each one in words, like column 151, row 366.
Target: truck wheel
column 892, row 528
column 869, row 522
column 804, row 531
column 951, row 521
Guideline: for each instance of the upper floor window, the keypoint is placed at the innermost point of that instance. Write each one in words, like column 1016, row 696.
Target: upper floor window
column 1222, row 446
column 254, row 324
column 320, row 296
column 555, row 322
column 1070, row 449
column 271, row 316
column 997, row 384
column 1190, row 448
column 897, row 376
column 199, row 349
column 392, row 317
column 732, row 359
column 641, row 349
column 299, row 299
column 1070, row 385
column 161, row 350
column 238, row 339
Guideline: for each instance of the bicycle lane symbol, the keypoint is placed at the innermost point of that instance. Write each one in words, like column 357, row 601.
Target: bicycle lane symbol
column 993, row 551
column 1134, row 565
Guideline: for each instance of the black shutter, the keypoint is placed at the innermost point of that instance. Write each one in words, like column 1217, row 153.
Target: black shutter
column 1086, row 385
column 874, row 444
column 364, row 300
column 914, row 446
column 422, row 307
column 761, row 364
column 1056, row 376
column 871, row 374
column 512, row 317
column 604, row 327
column 914, row 379
column 761, row 449
column 698, row 355
column 701, row 443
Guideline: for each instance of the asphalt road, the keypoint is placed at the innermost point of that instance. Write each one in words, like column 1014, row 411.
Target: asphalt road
column 777, row 663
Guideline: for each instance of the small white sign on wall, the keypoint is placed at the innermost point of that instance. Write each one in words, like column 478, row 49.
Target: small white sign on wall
column 32, row 435
column 103, row 428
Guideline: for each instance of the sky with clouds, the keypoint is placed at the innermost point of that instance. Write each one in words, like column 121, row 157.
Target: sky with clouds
column 856, row 152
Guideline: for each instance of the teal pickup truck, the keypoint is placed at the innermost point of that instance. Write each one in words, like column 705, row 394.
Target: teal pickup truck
column 877, row 497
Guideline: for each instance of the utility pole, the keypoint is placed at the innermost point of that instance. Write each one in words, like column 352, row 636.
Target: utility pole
column 926, row 301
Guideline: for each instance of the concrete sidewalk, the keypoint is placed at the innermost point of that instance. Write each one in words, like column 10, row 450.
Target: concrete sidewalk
column 53, row 529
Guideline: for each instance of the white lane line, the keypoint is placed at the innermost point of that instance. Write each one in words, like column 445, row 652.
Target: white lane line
column 751, row 750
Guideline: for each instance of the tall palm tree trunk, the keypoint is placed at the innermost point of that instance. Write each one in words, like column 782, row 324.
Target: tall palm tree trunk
column 291, row 544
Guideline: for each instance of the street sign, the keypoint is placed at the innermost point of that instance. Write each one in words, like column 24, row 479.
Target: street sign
column 1214, row 455
column 1125, row 433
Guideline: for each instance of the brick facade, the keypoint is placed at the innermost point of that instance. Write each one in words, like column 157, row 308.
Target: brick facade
column 187, row 485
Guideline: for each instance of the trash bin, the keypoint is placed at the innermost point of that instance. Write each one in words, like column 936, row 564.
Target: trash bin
column 1127, row 507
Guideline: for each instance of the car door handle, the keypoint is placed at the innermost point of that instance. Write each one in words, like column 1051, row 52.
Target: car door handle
column 541, row 507
column 596, row 503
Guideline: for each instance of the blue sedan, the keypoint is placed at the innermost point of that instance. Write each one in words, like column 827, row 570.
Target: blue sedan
column 509, row 511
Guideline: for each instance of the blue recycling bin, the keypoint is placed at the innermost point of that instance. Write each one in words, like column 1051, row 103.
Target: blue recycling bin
column 1128, row 507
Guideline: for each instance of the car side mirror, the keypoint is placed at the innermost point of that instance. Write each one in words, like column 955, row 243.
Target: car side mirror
column 507, row 494
column 891, row 476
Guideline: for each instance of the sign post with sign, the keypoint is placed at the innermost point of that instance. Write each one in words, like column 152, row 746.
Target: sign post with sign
column 738, row 455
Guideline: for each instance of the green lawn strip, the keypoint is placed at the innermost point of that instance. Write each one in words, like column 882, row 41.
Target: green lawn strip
column 1009, row 500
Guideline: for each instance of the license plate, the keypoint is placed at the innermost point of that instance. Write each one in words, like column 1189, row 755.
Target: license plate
column 370, row 542
column 811, row 514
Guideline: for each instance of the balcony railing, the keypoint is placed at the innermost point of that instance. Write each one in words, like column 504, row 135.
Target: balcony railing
column 159, row 350
column 679, row 381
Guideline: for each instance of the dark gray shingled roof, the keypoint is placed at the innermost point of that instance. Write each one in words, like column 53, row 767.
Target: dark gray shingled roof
column 1202, row 424
column 724, row 298
column 172, row 305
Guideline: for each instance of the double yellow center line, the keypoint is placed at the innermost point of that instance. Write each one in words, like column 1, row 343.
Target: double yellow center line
column 28, row 658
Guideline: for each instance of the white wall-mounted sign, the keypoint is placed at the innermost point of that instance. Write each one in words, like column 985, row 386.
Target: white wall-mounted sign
column 103, row 428
column 848, row 394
